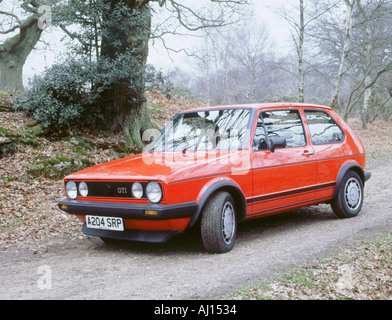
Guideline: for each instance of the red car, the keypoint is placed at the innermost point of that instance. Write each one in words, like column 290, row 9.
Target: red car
column 221, row 166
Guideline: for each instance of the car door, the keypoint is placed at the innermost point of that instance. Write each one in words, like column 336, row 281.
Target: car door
column 285, row 177
column 327, row 139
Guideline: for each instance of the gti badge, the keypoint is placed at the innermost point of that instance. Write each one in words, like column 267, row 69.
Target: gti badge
column 122, row 190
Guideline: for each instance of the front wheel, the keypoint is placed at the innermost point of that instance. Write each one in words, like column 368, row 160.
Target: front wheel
column 349, row 200
column 219, row 223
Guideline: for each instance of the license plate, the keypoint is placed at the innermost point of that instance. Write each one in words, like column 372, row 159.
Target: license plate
column 105, row 223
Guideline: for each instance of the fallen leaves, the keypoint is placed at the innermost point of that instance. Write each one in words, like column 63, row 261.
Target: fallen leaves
column 29, row 215
column 163, row 109
column 377, row 138
column 360, row 273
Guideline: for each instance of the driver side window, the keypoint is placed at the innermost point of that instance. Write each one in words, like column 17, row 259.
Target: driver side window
column 285, row 124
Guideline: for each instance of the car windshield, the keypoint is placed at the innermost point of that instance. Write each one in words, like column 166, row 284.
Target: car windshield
column 223, row 129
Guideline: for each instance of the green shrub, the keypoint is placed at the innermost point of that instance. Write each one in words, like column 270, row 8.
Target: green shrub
column 60, row 99
column 71, row 96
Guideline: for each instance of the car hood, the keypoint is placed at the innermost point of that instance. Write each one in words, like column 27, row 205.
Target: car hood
column 168, row 167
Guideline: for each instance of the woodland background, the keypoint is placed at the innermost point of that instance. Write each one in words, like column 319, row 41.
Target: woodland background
column 333, row 52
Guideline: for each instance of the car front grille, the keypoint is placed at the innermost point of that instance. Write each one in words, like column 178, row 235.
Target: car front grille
column 111, row 189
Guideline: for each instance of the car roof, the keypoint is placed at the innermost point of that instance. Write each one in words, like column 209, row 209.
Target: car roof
column 260, row 106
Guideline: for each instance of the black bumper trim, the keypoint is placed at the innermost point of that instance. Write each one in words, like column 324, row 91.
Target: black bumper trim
column 131, row 235
column 129, row 211
column 367, row 175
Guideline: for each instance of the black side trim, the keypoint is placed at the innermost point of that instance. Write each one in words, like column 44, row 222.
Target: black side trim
column 290, row 193
column 129, row 211
column 303, row 203
column 132, row 235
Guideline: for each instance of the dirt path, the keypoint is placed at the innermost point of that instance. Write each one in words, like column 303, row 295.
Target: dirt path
column 180, row 269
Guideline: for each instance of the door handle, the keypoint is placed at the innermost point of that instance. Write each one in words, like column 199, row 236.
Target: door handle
column 308, row 153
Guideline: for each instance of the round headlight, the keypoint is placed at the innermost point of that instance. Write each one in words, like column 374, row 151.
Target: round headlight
column 153, row 192
column 83, row 189
column 71, row 190
column 137, row 190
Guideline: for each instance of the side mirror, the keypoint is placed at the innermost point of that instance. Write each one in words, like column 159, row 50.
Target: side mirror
column 262, row 145
column 276, row 142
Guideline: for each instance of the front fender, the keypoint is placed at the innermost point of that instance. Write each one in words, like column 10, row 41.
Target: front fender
column 220, row 184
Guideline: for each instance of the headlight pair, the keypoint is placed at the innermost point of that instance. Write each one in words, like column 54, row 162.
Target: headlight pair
column 72, row 190
column 153, row 191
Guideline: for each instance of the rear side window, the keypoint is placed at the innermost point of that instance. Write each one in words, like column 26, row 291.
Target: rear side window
column 285, row 124
column 323, row 129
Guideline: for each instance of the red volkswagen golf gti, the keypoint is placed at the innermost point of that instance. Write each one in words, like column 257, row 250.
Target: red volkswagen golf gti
column 221, row 166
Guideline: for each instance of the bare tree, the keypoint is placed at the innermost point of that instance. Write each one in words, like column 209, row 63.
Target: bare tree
column 371, row 56
column 250, row 45
column 354, row 53
column 368, row 47
column 232, row 63
column 300, row 18
column 297, row 24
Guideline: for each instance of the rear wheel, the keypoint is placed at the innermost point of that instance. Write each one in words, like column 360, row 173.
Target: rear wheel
column 219, row 223
column 349, row 200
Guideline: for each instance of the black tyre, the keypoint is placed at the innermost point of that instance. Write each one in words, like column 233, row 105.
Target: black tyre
column 219, row 223
column 349, row 200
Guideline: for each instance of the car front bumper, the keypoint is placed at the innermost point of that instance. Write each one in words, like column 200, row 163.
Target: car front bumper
column 167, row 220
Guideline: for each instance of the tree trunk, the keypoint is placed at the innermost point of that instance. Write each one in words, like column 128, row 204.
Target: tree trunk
column 11, row 73
column 344, row 57
column 368, row 60
column 14, row 52
column 132, row 116
column 301, row 74
column 366, row 103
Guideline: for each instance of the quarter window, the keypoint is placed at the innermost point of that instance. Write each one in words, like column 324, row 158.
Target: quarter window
column 285, row 124
column 323, row 129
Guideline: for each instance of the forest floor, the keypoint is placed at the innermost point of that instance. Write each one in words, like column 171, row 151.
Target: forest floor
column 32, row 228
